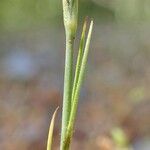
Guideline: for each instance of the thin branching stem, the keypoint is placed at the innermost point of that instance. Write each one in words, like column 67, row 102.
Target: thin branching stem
column 72, row 88
column 77, row 91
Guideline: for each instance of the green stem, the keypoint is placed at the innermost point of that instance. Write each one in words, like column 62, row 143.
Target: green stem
column 67, row 85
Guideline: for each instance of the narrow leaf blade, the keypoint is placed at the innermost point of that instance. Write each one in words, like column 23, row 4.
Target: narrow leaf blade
column 81, row 75
column 79, row 58
column 51, row 130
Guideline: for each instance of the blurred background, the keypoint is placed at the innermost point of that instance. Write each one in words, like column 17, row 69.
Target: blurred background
column 115, row 99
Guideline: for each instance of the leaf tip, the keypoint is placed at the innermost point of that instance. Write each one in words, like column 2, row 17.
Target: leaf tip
column 51, row 129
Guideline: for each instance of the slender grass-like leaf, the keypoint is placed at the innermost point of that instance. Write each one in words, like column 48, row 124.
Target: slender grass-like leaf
column 51, row 129
column 79, row 58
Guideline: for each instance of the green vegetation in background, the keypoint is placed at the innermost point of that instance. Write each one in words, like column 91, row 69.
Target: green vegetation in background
column 23, row 14
column 90, row 8
column 132, row 10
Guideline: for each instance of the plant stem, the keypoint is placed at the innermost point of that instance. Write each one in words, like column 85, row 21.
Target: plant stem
column 67, row 85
